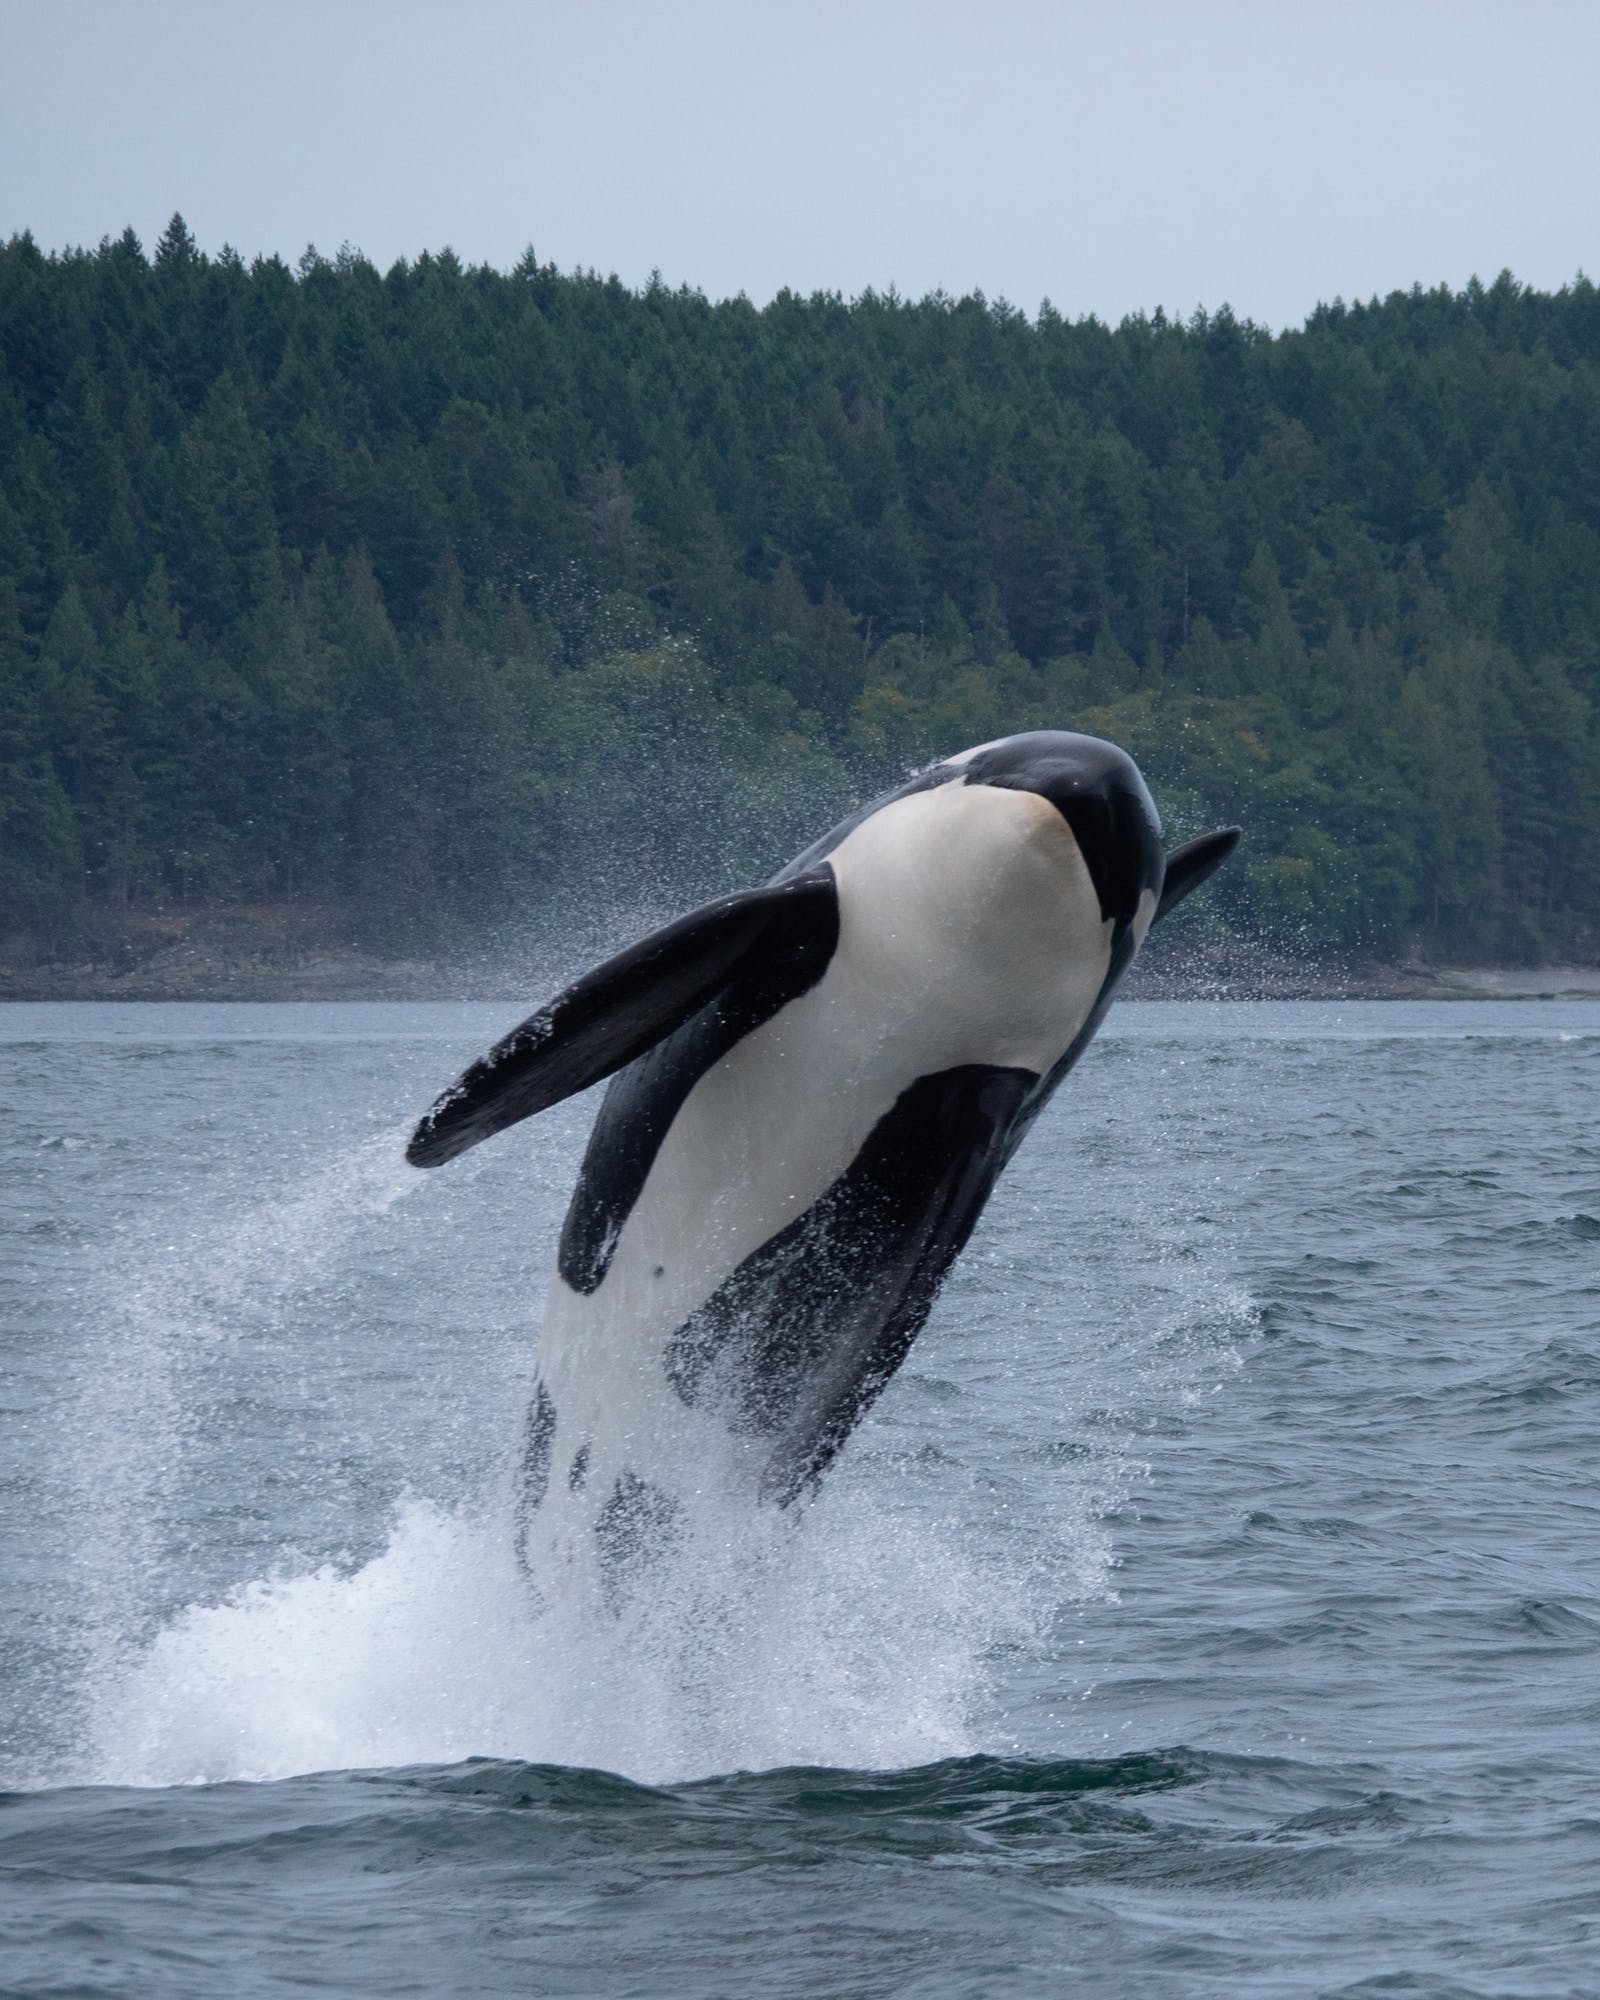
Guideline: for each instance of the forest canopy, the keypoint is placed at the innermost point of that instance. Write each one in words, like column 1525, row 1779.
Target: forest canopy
column 410, row 594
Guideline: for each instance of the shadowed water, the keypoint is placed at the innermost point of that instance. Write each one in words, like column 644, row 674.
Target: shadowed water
column 1210, row 1607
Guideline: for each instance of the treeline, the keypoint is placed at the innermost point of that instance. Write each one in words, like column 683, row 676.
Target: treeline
column 410, row 595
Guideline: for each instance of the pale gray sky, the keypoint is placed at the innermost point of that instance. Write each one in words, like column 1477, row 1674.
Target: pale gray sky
column 1111, row 157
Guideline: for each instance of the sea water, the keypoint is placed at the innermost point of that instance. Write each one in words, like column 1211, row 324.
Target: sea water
column 1210, row 1607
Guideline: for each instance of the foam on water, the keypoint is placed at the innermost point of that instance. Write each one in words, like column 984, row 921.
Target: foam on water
column 851, row 1641
column 850, row 1635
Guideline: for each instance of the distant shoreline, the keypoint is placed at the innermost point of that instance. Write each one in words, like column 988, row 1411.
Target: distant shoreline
column 383, row 980
column 1408, row 981
column 266, row 955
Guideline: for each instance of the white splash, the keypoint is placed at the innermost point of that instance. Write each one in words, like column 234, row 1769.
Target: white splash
column 169, row 1300
column 847, row 1640
column 864, row 1634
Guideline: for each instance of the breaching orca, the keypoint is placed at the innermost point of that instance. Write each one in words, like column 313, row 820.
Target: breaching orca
column 815, row 1086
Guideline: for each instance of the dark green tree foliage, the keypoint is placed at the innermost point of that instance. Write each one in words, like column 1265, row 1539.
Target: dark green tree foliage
column 408, row 594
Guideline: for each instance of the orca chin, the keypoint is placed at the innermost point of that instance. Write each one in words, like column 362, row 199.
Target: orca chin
column 814, row 1087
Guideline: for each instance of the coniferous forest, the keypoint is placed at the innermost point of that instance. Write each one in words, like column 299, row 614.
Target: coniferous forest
column 416, row 597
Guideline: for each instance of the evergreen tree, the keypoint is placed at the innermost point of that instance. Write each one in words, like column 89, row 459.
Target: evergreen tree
column 333, row 586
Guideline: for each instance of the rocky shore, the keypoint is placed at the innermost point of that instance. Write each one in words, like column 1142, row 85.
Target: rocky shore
column 283, row 954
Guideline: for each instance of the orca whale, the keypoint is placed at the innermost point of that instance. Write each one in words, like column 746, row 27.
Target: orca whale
column 815, row 1086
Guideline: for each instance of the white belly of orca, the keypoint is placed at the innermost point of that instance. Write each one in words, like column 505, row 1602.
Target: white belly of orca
column 968, row 934
column 819, row 1084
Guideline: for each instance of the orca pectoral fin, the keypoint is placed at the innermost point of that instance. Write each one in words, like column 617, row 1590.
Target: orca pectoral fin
column 1189, row 865
column 623, row 1007
column 804, row 1335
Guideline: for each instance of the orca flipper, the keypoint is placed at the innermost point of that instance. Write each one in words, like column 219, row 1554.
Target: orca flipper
column 1189, row 865
column 797, row 1342
column 622, row 1008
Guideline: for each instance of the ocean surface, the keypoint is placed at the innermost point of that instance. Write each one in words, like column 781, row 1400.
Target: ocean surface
column 1210, row 1607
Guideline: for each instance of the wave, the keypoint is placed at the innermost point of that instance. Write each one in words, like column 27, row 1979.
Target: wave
column 1163, row 1815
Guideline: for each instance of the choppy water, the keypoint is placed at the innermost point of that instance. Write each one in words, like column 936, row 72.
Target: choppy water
column 1212, row 1607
